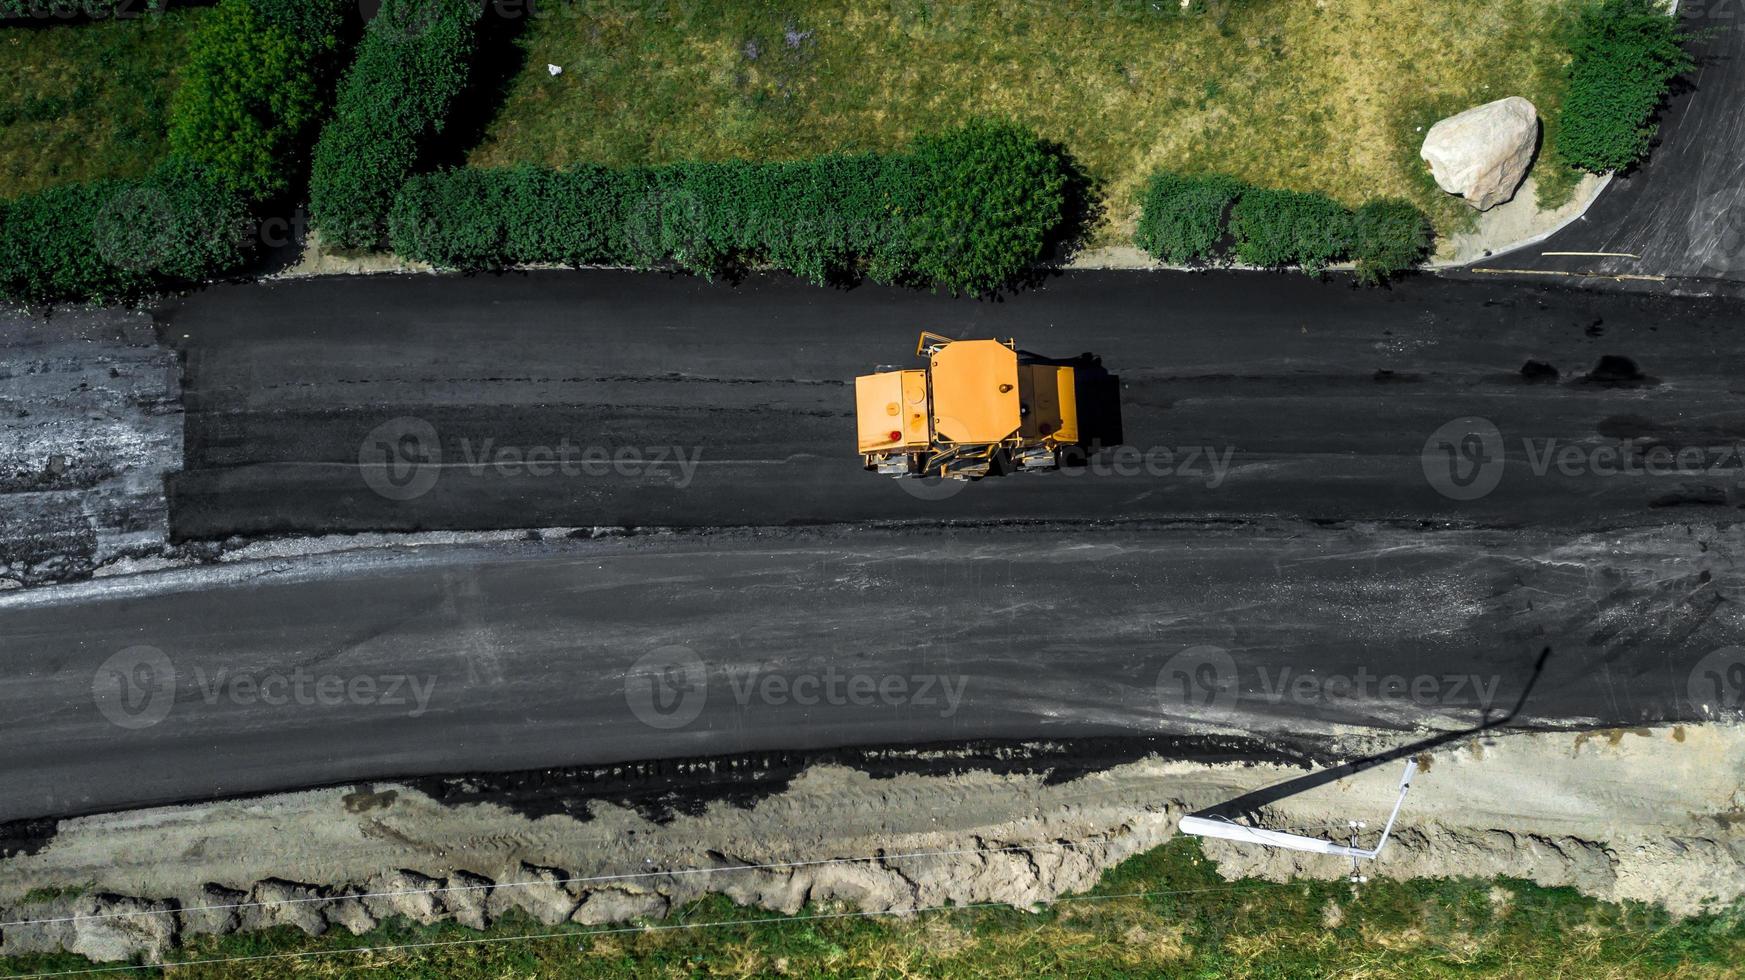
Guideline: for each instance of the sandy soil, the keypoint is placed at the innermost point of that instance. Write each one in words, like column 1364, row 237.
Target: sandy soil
column 1650, row 814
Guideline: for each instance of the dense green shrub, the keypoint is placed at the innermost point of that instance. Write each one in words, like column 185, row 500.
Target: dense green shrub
column 1390, row 236
column 945, row 214
column 486, row 219
column 1625, row 54
column 252, row 89
column 307, row 19
column 1189, row 218
column 829, row 218
column 411, row 63
column 116, row 239
column 70, row 9
column 1278, row 228
column 993, row 199
column 1182, row 216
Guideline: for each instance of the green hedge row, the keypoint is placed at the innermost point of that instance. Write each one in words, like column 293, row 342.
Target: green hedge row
column 411, row 63
column 973, row 209
column 1212, row 217
column 1625, row 54
column 253, row 88
column 118, row 239
column 1182, row 219
column 70, row 9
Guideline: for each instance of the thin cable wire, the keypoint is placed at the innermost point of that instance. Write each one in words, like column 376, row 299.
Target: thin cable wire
column 485, row 940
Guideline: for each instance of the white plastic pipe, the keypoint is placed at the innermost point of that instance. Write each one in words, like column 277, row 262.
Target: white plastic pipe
column 1202, row 827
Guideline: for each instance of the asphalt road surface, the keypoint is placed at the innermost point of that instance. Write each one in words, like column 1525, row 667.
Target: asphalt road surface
column 1357, row 549
column 466, row 659
column 1682, row 214
column 643, row 400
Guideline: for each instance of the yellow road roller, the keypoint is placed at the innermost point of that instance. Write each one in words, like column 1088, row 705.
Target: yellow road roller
column 979, row 407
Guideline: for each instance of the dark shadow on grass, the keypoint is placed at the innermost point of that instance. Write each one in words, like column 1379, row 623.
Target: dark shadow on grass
column 497, row 60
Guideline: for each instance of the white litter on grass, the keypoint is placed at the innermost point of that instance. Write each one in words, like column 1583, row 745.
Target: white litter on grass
column 554, row 69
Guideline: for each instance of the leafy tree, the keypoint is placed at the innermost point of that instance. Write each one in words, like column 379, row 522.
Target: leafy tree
column 1624, row 56
column 994, row 197
column 250, row 92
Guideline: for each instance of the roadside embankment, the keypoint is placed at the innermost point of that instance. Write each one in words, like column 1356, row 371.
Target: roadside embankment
column 1652, row 815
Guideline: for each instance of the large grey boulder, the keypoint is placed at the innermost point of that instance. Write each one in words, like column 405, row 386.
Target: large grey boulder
column 1482, row 154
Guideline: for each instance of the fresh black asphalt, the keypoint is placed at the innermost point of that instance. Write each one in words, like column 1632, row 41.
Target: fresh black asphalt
column 1238, row 396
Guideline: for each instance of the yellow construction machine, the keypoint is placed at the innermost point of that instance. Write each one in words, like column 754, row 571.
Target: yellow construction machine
column 979, row 407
